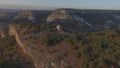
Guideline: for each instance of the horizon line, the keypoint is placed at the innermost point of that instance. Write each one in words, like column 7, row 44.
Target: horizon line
column 22, row 7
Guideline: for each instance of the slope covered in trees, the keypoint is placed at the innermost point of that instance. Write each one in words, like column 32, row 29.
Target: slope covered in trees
column 11, row 56
column 73, row 50
column 97, row 50
column 84, row 50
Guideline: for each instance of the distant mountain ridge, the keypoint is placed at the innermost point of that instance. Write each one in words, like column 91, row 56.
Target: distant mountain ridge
column 9, row 10
column 73, row 20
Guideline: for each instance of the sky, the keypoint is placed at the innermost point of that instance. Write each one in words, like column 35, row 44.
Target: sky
column 53, row 4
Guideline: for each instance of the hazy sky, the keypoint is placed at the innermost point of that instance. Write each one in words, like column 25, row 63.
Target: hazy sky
column 45, row 4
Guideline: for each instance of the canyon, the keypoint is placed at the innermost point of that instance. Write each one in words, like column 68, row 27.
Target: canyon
column 41, row 29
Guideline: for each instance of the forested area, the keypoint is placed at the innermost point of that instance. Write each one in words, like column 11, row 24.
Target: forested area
column 10, row 54
column 97, row 50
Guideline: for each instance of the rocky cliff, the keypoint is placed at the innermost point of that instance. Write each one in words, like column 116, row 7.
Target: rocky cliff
column 59, row 14
column 84, row 20
column 26, row 14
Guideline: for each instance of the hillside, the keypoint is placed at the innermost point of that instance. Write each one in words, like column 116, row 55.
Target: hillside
column 11, row 55
column 49, row 48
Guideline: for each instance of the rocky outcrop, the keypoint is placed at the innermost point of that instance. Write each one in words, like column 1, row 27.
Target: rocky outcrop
column 85, row 20
column 69, row 20
column 41, row 57
column 25, row 15
column 59, row 14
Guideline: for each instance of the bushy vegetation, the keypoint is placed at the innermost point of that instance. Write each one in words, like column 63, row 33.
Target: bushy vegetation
column 98, row 49
column 53, row 38
column 10, row 56
column 95, row 50
column 35, row 27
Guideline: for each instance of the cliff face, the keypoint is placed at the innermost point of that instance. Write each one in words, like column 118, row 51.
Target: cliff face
column 28, row 15
column 41, row 57
column 59, row 14
column 69, row 20
column 84, row 20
